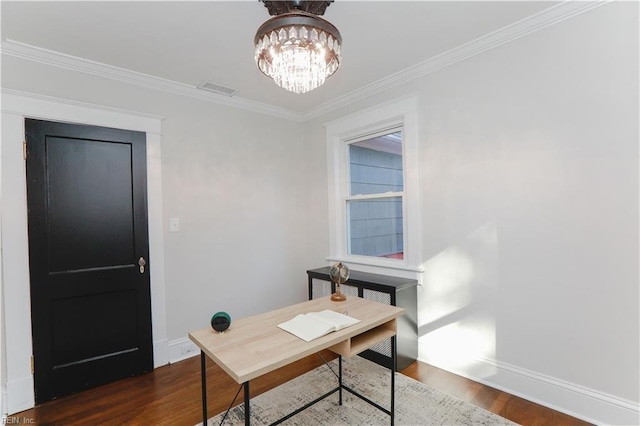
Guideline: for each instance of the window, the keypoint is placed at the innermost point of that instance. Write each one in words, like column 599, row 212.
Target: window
column 373, row 189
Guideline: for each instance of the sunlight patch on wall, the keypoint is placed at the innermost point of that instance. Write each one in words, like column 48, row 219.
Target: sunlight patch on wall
column 456, row 314
column 458, row 345
column 447, row 279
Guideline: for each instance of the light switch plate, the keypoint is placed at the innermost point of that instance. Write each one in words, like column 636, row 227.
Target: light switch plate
column 174, row 224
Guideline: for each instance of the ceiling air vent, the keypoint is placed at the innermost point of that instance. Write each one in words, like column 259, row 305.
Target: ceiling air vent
column 216, row 88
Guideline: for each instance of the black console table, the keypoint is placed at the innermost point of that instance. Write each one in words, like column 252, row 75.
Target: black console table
column 401, row 292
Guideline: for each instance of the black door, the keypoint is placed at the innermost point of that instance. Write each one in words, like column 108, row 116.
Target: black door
column 90, row 298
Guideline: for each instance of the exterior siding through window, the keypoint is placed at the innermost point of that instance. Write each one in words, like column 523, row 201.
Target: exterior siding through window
column 375, row 225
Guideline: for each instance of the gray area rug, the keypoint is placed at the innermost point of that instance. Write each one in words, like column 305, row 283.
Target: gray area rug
column 416, row 403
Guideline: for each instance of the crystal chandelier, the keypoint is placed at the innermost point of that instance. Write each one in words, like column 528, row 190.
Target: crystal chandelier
column 297, row 48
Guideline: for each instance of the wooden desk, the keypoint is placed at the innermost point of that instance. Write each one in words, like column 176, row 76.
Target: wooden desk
column 254, row 346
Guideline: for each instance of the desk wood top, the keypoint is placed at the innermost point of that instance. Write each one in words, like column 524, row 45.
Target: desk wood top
column 254, row 346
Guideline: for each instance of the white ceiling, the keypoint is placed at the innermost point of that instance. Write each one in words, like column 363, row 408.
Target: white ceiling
column 188, row 42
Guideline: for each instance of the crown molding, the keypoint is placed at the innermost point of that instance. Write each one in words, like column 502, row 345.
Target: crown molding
column 49, row 57
column 521, row 28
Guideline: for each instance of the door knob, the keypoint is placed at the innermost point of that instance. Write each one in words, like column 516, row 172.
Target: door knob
column 142, row 263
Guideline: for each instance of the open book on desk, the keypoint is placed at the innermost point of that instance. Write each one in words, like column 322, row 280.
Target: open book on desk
column 316, row 324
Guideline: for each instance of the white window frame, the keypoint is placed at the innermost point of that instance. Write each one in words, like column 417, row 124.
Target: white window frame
column 340, row 133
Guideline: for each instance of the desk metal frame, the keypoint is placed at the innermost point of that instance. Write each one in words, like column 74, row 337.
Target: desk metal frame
column 247, row 406
column 380, row 323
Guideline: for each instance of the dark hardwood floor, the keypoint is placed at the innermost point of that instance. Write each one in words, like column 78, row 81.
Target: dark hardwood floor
column 170, row 395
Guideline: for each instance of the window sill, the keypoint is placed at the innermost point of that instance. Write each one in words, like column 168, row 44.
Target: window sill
column 383, row 266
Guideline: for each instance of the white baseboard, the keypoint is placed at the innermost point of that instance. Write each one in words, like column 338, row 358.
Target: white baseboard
column 587, row 404
column 181, row 349
column 160, row 353
column 3, row 400
column 20, row 395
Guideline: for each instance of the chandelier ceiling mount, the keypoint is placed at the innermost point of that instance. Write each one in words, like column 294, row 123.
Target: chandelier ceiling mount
column 279, row 7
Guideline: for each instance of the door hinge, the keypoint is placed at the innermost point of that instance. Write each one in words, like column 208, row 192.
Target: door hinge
column 32, row 365
column 24, row 150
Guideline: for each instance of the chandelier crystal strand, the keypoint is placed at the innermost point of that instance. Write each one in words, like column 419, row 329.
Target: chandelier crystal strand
column 298, row 51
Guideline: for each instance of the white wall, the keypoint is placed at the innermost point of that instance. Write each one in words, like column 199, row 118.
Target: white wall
column 237, row 183
column 529, row 167
column 531, row 155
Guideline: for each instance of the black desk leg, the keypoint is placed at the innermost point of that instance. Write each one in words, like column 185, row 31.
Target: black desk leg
column 394, row 365
column 203, row 374
column 247, row 409
column 340, row 379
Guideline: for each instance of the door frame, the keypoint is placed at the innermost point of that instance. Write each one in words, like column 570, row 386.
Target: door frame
column 18, row 389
